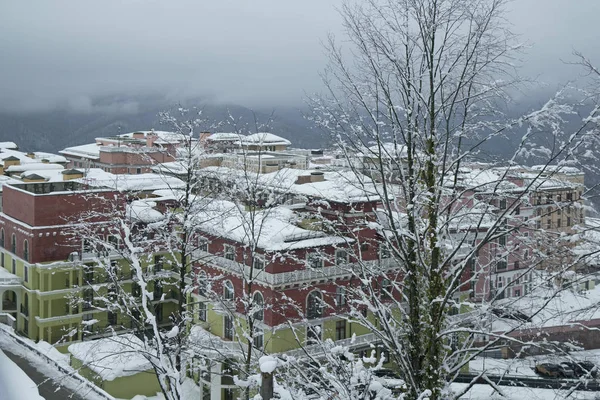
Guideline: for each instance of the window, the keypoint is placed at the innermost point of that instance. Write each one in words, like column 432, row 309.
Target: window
column 228, row 290
column 158, row 291
column 340, row 296
column 203, row 244
column 313, row 334
column 314, row 260
column 138, row 171
column 517, row 293
column 26, row 250
column 2, row 237
column 229, row 252
column 314, row 305
column 549, row 224
column 158, row 263
column 502, row 240
column 558, row 223
column 14, row 266
column 570, row 196
column 340, row 330
column 516, row 265
column 136, row 290
column 559, row 198
column 341, row 257
column 503, row 204
column 114, row 241
column 258, row 338
column 518, row 210
column 384, row 251
column 568, row 221
column 13, row 244
column 259, row 305
column 88, row 275
column 25, row 273
column 386, row 288
column 258, row 263
column 112, row 318
column 471, row 265
column 501, row 264
column 228, row 327
column 88, row 298
column 2, row 260
column 202, row 312
column 202, row 283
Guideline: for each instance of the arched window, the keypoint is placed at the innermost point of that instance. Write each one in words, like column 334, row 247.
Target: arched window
column 259, row 304
column 202, row 283
column 314, row 305
column 26, row 250
column 228, row 291
column 13, row 244
column 2, row 237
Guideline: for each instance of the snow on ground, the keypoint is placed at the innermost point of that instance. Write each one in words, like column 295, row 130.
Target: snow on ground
column 518, row 366
column 14, row 383
column 485, row 392
column 190, row 392
column 112, row 357
column 74, row 383
column 525, row 366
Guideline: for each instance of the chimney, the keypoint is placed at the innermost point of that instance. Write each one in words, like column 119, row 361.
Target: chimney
column 315, row 176
column 138, row 135
column 151, row 138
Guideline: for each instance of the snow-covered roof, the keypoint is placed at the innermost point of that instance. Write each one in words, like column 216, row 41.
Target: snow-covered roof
column 562, row 169
column 143, row 211
column 225, row 136
column 126, row 183
column 8, row 145
column 112, row 357
column 91, row 150
column 339, row 186
column 275, row 228
column 388, row 150
column 52, row 158
column 6, row 153
column 265, row 138
column 33, row 167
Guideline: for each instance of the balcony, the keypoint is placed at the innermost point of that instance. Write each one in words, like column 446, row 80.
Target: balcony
column 9, row 306
column 293, row 277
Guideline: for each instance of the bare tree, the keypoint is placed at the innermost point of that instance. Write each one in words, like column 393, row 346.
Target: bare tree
column 413, row 108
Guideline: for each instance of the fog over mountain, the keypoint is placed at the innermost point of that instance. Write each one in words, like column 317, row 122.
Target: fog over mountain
column 74, row 70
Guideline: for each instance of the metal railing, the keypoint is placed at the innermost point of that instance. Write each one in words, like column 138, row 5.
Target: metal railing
column 298, row 276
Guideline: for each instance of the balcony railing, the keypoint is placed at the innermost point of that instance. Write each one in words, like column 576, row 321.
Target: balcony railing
column 298, row 276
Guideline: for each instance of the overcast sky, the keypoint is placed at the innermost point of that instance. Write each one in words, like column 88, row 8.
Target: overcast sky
column 255, row 53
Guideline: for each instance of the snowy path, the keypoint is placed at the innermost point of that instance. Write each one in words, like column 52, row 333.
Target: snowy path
column 18, row 380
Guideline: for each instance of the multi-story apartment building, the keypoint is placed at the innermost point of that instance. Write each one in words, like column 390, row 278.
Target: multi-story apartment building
column 130, row 153
column 50, row 278
column 529, row 209
column 299, row 263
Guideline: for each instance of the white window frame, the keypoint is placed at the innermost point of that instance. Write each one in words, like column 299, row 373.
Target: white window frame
column 311, row 258
column 339, row 258
column 229, row 250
